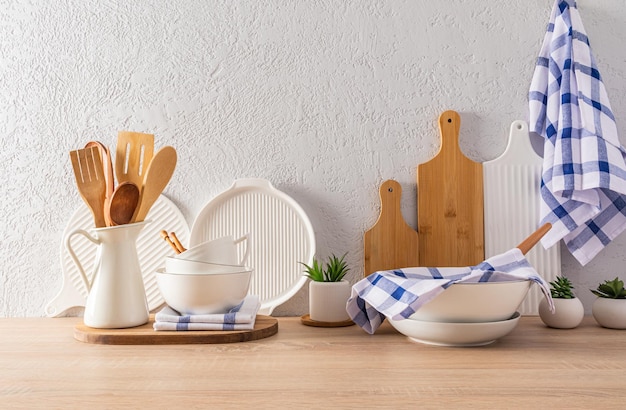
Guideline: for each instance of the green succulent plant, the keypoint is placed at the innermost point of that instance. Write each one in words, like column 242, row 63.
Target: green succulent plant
column 611, row 289
column 334, row 271
column 562, row 288
column 315, row 272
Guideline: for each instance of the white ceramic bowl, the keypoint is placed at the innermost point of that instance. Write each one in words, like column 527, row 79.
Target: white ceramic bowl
column 202, row 294
column 185, row 266
column 223, row 250
column 475, row 302
column 455, row 334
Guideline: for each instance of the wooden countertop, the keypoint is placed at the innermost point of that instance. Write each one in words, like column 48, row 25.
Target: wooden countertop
column 42, row 365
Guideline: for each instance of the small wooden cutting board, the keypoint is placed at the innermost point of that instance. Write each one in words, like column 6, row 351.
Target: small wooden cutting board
column 450, row 203
column 390, row 243
column 265, row 326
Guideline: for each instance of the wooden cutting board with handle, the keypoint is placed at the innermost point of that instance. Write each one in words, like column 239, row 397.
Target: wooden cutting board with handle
column 390, row 243
column 450, row 203
column 514, row 179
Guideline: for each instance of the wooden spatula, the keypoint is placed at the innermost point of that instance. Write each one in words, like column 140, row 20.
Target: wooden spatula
column 107, row 165
column 390, row 243
column 132, row 156
column 90, row 180
column 157, row 176
column 450, row 203
column 107, row 168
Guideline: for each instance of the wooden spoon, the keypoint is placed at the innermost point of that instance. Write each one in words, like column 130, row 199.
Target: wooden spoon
column 157, row 176
column 123, row 203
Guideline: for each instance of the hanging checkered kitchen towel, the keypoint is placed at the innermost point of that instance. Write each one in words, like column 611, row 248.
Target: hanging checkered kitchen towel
column 584, row 173
column 241, row 317
column 399, row 293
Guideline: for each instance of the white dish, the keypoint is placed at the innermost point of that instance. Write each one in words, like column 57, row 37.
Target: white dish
column 455, row 334
column 184, row 266
column 281, row 236
column 196, row 294
column 151, row 250
column 222, row 251
column 475, row 302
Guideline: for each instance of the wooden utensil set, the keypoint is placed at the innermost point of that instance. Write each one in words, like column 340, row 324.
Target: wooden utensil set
column 141, row 176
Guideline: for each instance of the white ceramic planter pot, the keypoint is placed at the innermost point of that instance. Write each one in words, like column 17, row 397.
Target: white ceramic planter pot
column 327, row 301
column 610, row 313
column 568, row 313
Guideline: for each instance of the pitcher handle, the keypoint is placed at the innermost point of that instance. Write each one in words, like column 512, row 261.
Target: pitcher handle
column 246, row 238
column 68, row 246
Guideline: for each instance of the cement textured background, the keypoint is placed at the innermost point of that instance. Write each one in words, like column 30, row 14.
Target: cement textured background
column 326, row 99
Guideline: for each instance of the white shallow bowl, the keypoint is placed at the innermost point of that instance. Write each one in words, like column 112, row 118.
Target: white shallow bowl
column 222, row 251
column 455, row 334
column 178, row 265
column 195, row 294
column 475, row 302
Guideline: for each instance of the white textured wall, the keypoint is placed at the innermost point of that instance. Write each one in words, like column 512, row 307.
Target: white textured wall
column 326, row 99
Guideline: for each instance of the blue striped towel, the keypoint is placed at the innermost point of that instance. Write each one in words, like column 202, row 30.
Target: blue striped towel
column 584, row 173
column 399, row 293
column 241, row 317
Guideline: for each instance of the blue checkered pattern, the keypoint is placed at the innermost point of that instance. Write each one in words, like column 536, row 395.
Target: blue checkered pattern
column 584, row 173
column 399, row 293
column 241, row 317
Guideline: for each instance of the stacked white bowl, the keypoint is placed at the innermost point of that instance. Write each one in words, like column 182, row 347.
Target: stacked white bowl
column 207, row 278
column 467, row 314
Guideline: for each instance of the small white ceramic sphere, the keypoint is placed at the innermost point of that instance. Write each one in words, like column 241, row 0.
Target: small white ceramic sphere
column 610, row 313
column 568, row 313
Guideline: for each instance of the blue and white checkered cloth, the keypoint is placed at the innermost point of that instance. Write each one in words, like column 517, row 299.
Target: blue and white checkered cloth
column 584, row 173
column 241, row 317
column 399, row 293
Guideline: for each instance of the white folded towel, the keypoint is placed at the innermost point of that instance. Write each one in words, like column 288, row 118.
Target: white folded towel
column 241, row 317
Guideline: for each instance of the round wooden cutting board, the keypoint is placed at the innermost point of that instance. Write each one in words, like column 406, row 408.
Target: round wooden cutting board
column 265, row 326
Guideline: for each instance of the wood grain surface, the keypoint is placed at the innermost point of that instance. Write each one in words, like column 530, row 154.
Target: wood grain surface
column 450, row 203
column 390, row 243
column 304, row 367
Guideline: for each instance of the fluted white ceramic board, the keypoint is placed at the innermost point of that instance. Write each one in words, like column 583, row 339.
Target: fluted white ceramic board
column 280, row 236
column 512, row 194
column 151, row 251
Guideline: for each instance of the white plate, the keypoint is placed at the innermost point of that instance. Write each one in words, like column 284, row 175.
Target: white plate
column 455, row 334
column 151, row 250
column 281, row 236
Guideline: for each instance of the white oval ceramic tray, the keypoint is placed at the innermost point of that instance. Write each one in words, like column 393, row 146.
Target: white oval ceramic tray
column 280, row 235
column 151, row 250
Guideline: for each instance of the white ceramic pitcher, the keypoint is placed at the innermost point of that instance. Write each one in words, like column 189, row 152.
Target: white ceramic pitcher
column 117, row 297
